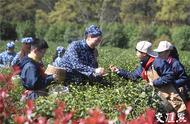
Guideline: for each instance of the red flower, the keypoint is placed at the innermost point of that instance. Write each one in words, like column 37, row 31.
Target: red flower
column 19, row 119
column 96, row 117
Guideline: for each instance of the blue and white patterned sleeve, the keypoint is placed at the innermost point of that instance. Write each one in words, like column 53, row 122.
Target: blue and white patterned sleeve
column 74, row 59
column 57, row 62
column 1, row 60
column 15, row 59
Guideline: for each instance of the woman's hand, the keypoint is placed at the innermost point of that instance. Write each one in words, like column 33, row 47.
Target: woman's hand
column 55, row 77
column 100, row 71
column 113, row 68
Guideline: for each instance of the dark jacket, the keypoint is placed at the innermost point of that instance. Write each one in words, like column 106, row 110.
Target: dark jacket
column 181, row 77
column 33, row 76
column 161, row 67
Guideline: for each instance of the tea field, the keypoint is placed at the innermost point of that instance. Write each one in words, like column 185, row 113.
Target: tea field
column 82, row 98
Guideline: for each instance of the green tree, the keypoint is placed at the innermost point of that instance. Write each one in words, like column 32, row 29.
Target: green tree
column 181, row 37
column 7, row 31
column 110, row 11
column 78, row 11
column 89, row 10
column 138, row 10
column 25, row 29
column 41, row 23
column 56, row 32
column 17, row 10
column 173, row 10
column 113, row 35
column 64, row 11
column 46, row 5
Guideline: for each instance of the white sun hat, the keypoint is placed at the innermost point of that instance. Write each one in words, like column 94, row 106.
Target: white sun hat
column 163, row 46
column 145, row 47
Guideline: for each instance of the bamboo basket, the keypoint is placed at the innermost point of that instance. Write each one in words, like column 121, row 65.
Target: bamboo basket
column 60, row 72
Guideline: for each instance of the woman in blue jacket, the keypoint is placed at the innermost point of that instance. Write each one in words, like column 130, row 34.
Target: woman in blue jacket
column 169, row 52
column 80, row 58
column 25, row 49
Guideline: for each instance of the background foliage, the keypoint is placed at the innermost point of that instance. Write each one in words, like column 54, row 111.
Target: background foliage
column 124, row 22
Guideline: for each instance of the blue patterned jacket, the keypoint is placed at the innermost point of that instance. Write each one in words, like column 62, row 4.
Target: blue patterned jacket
column 57, row 61
column 79, row 61
column 6, row 58
column 16, row 59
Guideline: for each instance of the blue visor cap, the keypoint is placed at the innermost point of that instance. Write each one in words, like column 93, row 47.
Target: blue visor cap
column 27, row 40
column 93, row 31
column 10, row 45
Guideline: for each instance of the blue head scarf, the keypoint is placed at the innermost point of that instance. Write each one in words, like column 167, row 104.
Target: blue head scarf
column 93, row 30
column 60, row 50
column 10, row 44
column 27, row 40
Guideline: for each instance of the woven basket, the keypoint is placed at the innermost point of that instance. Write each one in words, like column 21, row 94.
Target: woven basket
column 60, row 72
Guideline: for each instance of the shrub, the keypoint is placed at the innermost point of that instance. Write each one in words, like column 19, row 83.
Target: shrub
column 181, row 37
column 7, row 31
column 41, row 23
column 56, row 33
column 147, row 32
column 113, row 35
column 73, row 32
column 62, row 32
column 162, row 30
column 25, row 29
column 82, row 97
column 131, row 30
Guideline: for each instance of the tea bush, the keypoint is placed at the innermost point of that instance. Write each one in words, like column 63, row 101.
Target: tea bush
column 25, row 29
column 181, row 37
column 81, row 98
